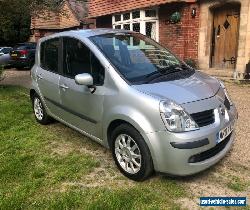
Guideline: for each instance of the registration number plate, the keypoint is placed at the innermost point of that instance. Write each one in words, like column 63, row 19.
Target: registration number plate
column 224, row 133
column 14, row 55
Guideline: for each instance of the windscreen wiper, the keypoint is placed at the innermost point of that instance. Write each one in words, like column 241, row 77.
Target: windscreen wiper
column 172, row 69
column 152, row 76
column 154, row 73
column 164, row 72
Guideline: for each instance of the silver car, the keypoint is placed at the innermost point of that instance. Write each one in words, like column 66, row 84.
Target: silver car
column 5, row 55
column 134, row 96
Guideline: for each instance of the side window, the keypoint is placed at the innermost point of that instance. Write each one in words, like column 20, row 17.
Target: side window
column 49, row 54
column 79, row 59
column 97, row 70
column 6, row 50
column 76, row 57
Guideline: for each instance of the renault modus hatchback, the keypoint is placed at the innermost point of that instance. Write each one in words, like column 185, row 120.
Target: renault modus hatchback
column 134, row 96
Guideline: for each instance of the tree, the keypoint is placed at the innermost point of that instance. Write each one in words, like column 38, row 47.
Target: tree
column 15, row 18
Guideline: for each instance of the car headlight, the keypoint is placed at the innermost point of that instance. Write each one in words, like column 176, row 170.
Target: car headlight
column 175, row 118
column 226, row 93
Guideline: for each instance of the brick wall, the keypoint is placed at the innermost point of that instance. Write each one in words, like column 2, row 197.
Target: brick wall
column 181, row 38
column 55, row 20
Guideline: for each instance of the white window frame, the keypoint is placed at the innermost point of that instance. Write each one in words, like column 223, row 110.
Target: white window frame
column 142, row 20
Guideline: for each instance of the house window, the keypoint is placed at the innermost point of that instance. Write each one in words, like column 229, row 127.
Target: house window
column 118, row 27
column 136, row 14
column 136, row 27
column 117, row 18
column 151, row 29
column 126, row 26
column 150, row 13
column 126, row 16
column 143, row 21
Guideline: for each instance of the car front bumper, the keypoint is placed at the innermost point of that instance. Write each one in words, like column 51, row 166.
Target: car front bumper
column 188, row 153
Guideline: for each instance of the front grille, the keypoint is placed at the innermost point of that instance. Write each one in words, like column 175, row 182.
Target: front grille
column 227, row 103
column 211, row 152
column 204, row 118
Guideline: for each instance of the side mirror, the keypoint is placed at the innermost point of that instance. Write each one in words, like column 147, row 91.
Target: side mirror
column 1, row 53
column 84, row 79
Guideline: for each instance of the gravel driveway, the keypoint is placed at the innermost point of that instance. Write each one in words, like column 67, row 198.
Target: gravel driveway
column 17, row 77
column 230, row 177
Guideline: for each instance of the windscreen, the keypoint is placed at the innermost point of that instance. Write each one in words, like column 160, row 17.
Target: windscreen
column 137, row 58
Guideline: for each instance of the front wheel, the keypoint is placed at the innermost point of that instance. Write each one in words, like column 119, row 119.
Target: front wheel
column 131, row 153
column 39, row 111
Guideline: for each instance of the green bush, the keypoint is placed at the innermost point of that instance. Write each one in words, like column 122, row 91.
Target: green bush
column 175, row 17
column 191, row 62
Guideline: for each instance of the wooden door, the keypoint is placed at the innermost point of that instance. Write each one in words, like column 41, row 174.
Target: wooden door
column 225, row 37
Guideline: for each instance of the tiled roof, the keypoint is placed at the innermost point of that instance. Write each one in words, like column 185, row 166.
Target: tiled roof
column 105, row 7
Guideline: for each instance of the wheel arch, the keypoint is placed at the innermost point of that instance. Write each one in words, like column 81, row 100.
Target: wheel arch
column 32, row 93
column 118, row 121
column 112, row 125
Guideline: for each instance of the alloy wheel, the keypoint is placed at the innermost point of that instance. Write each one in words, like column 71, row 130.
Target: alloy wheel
column 128, row 154
column 38, row 108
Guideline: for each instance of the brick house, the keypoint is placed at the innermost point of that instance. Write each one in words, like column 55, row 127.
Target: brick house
column 214, row 33
column 70, row 15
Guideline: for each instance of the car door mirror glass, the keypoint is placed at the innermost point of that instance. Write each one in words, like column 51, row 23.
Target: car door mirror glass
column 84, row 79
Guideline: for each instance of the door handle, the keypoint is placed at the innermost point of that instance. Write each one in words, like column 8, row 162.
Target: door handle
column 39, row 77
column 63, row 86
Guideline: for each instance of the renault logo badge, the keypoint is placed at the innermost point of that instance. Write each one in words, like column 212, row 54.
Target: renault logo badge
column 222, row 110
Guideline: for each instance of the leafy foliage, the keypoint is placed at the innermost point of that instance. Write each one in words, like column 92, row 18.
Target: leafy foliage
column 15, row 18
column 191, row 62
column 175, row 17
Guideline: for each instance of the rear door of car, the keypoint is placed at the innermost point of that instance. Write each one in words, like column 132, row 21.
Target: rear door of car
column 47, row 75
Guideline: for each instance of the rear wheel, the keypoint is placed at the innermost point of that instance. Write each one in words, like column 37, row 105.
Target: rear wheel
column 39, row 111
column 131, row 153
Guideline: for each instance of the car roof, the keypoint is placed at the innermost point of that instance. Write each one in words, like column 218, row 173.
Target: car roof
column 86, row 33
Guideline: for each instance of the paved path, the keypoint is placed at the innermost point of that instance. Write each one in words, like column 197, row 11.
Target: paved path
column 17, row 77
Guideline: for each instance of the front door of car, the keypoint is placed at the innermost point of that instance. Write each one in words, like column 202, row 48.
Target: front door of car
column 47, row 75
column 82, row 108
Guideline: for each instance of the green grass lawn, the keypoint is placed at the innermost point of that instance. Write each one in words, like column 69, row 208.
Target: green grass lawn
column 33, row 175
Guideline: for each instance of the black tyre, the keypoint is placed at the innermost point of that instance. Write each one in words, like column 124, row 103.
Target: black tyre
column 39, row 111
column 19, row 68
column 131, row 153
